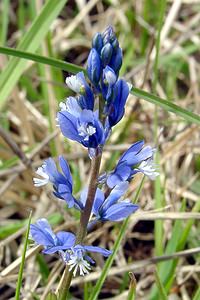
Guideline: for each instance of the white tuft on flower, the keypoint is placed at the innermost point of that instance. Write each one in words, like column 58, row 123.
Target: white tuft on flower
column 74, row 83
column 78, row 263
column 41, row 172
column 148, row 168
column 86, row 131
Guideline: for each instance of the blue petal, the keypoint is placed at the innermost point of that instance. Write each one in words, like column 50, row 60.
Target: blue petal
column 65, row 193
column 96, row 249
column 73, row 107
column 68, row 125
column 66, row 170
column 66, row 239
column 51, row 170
column 87, row 116
column 42, row 233
column 115, row 195
column 98, row 201
column 120, row 174
column 133, row 150
column 144, row 154
column 119, row 211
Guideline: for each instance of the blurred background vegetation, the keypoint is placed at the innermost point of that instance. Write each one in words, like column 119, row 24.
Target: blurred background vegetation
column 161, row 42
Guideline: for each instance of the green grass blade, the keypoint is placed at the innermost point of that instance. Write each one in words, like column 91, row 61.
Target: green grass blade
column 30, row 42
column 42, row 59
column 161, row 289
column 108, row 264
column 4, row 21
column 19, row 281
column 165, row 104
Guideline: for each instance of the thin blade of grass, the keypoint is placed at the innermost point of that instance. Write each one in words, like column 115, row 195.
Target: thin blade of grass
column 108, row 264
column 30, row 42
column 19, row 281
column 163, row 103
column 65, row 66
column 161, row 289
column 4, row 21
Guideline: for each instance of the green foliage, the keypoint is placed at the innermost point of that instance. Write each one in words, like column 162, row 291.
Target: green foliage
column 20, row 276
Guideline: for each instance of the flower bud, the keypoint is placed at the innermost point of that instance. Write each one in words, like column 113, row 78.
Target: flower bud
column 106, row 54
column 97, row 42
column 94, row 66
column 108, row 35
column 116, row 60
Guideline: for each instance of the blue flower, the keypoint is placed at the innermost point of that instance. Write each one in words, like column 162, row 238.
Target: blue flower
column 62, row 183
column 78, row 260
column 81, row 125
column 127, row 165
column 78, row 84
column 42, row 234
column 64, row 243
column 111, row 208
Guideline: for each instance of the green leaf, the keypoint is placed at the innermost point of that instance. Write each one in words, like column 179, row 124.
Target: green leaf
column 20, row 276
column 57, row 63
column 4, row 21
column 166, row 105
column 160, row 287
column 30, row 42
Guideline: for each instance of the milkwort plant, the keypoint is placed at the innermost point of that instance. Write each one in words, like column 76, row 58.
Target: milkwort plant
column 88, row 118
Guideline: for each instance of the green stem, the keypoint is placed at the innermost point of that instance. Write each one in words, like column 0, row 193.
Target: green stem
column 65, row 282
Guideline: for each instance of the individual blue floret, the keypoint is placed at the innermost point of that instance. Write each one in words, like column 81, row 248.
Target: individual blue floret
column 62, row 182
column 81, row 125
column 127, row 164
column 64, row 243
column 111, row 208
